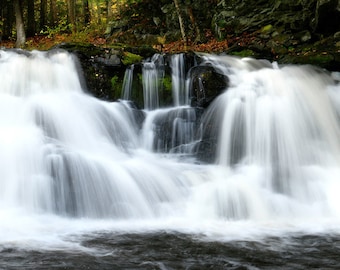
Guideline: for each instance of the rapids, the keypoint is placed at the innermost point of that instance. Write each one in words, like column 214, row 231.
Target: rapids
column 73, row 165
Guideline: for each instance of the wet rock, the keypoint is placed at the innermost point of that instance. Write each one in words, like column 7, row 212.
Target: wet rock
column 327, row 16
column 96, row 67
column 303, row 36
column 336, row 36
column 206, row 83
column 103, row 69
column 174, row 129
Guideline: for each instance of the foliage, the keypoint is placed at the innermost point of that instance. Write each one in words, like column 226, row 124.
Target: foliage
column 116, row 86
column 62, row 28
column 167, row 84
column 131, row 58
column 243, row 53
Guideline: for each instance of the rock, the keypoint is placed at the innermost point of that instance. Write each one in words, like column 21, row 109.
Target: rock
column 327, row 16
column 96, row 68
column 303, row 36
column 206, row 83
column 336, row 36
column 172, row 129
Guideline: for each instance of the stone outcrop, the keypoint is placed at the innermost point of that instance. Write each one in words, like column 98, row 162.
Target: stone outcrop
column 103, row 69
column 206, row 83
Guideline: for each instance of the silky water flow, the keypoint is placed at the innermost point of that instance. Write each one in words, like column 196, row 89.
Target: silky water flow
column 73, row 165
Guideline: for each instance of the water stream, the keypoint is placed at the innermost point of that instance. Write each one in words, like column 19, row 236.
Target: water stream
column 84, row 185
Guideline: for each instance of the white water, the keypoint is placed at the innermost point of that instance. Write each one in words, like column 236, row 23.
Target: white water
column 178, row 77
column 152, row 74
column 127, row 83
column 72, row 164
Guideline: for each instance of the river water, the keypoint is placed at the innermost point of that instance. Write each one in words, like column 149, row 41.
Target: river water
column 168, row 250
column 84, row 185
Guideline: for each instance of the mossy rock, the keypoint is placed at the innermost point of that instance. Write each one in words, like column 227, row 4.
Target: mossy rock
column 78, row 47
column 318, row 59
column 131, row 58
column 328, row 61
column 243, row 53
column 205, row 85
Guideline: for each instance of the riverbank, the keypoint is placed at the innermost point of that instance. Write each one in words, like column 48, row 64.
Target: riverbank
column 323, row 52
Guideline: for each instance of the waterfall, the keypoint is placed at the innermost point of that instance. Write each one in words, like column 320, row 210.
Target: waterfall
column 127, row 83
column 179, row 85
column 273, row 135
column 152, row 73
column 170, row 130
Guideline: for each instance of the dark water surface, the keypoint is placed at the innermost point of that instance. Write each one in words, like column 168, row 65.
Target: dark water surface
column 180, row 251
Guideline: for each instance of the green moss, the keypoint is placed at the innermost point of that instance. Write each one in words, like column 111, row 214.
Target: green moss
column 167, row 84
column 116, row 87
column 85, row 48
column 131, row 58
column 114, row 80
column 318, row 59
column 267, row 29
column 243, row 53
column 166, row 99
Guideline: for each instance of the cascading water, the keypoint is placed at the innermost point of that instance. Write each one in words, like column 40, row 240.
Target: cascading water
column 179, row 85
column 152, row 73
column 127, row 83
column 70, row 163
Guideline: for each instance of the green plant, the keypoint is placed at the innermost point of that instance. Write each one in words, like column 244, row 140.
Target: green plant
column 131, row 58
column 62, row 27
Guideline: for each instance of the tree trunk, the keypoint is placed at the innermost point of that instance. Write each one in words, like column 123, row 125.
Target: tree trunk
column 71, row 14
column 8, row 17
column 109, row 9
column 86, row 10
column 99, row 15
column 2, row 15
column 53, row 13
column 181, row 21
column 30, row 18
column 43, row 12
column 19, row 22
column 194, row 24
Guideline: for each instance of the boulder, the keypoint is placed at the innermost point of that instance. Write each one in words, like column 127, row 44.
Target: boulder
column 206, row 83
column 327, row 17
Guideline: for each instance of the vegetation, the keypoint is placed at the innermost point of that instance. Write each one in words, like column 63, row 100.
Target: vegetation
column 98, row 21
column 274, row 29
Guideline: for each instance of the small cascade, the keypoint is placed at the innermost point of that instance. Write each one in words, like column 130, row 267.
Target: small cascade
column 127, row 83
column 171, row 130
column 178, row 76
column 23, row 73
column 281, row 119
column 153, row 72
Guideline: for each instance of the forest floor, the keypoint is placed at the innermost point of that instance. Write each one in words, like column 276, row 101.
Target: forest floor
column 324, row 53
column 44, row 42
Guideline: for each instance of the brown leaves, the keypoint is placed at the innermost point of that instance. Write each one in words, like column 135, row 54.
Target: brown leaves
column 212, row 45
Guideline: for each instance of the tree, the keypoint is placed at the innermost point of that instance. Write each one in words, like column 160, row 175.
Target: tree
column 53, row 13
column 193, row 22
column 30, row 18
column 86, row 11
column 71, row 7
column 109, row 9
column 43, row 14
column 7, row 18
column 19, row 22
column 181, row 21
